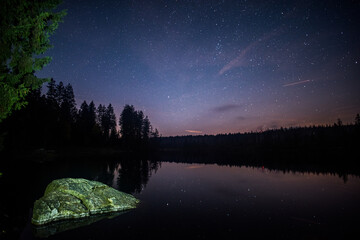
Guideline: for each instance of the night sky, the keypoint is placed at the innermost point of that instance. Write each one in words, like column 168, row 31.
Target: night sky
column 208, row 67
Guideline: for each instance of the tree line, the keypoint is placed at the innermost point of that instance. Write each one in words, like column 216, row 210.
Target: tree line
column 329, row 148
column 52, row 120
column 318, row 138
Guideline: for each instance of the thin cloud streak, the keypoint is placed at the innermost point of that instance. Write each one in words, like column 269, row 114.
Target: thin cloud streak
column 296, row 83
column 240, row 60
column 193, row 131
column 194, row 167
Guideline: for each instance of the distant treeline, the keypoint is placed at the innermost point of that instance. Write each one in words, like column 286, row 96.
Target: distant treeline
column 52, row 121
column 335, row 137
column 318, row 148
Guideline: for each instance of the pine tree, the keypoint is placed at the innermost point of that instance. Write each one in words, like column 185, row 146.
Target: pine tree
column 357, row 120
column 112, row 120
column 68, row 104
column 83, row 113
column 92, row 115
column 25, row 28
column 339, row 122
column 51, row 93
column 135, row 129
column 127, row 123
column 146, row 129
column 139, row 119
column 82, row 128
column 106, row 120
column 155, row 133
column 100, row 116
column 60, row 93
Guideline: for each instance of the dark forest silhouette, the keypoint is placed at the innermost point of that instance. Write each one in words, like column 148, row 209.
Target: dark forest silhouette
column 52, row 121
column 336, row 137
column 316, row 149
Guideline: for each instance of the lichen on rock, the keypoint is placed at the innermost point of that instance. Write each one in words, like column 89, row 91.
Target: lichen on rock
column 71, row 198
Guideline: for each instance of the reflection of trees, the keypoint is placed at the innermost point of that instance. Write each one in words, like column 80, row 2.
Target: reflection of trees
column 107, row 173
column 286, row 162
column 135, row 174
column 129, row 176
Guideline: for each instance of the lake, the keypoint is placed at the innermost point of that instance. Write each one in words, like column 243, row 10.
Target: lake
column 188, row 200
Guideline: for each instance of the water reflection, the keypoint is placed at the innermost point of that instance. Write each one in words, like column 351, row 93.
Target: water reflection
column 277, row 162
column 65, row 225
column 201, row 185
column 130, row 176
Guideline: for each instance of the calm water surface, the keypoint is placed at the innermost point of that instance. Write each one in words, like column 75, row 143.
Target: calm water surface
column 194, row 201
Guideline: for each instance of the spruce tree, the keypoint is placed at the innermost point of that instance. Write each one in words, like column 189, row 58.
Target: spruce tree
column 25, row 28
column 83, row 113
column 357, row 120
column 111, row 120
column 51, row 93
column 60, row 93
column 135, row 128
column 100, row 116
column 68, row 104
column 92, row 115
column 127, row 124
column 139, row 118
column 146, row 129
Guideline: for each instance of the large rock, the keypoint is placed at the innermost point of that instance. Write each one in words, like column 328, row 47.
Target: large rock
column 71, row 198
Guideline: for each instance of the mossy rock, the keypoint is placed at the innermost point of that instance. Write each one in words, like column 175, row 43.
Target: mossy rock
column 71, row 198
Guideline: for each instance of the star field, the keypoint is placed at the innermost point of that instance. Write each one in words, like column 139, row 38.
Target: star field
column 208, row 67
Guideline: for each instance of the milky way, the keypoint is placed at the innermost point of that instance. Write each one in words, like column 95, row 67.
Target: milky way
column 208, row 67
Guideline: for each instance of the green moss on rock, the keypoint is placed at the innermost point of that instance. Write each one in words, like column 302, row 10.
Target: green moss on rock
column 71, row 198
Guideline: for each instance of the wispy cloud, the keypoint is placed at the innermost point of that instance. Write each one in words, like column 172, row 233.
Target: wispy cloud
column 226, row 108
column 193, row 131
column 241, row 59
column 296, row 83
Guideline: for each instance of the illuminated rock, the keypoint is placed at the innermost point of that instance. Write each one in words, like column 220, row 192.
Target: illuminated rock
column 71, row 198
